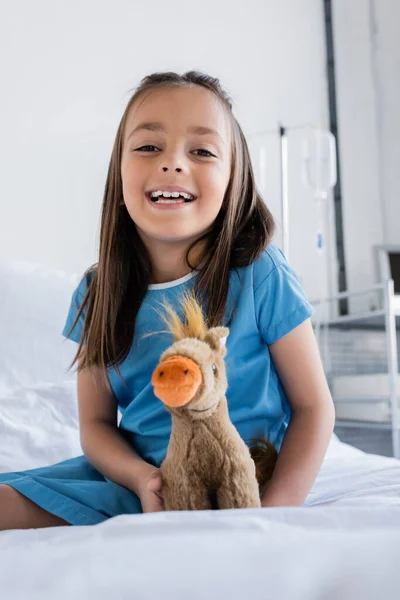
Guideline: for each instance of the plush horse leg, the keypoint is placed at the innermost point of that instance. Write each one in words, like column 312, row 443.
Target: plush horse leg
column 185, row 497
column 200, row 499
column 238, row 490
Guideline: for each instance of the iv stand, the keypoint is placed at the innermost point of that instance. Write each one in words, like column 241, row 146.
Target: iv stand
column 283, row 145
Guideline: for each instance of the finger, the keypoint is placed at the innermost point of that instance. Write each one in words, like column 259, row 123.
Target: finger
column 158, row 506
column 154, row 509
column 155, row 484
column 154, row 505
column 150, row 508
column 157, row 497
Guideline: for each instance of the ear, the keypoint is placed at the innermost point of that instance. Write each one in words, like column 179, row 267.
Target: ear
column 216, row 337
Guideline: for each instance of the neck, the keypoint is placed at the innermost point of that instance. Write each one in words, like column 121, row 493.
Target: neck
column 189, row 419
column 188, row 430
column 168, row 259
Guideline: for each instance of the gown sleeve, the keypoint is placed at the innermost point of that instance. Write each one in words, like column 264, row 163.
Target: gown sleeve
column 76, row 301
column 280, row 301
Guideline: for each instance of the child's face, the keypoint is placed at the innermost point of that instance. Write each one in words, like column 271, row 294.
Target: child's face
column 197, row 163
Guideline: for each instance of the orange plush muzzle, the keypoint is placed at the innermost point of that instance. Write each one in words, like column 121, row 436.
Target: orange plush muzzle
column 176, row 380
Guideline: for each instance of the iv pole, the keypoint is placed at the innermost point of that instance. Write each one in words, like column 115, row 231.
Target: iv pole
column 320, row 176
column 284, row 189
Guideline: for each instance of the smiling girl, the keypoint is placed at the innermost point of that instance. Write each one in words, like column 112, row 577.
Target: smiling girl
column 180, row 212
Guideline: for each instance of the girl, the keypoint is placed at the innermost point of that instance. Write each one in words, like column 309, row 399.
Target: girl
column 210, row 230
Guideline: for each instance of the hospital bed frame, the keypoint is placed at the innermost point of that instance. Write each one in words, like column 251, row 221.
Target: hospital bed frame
column 388, row 318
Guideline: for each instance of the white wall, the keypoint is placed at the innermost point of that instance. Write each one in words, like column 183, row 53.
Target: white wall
column 367, row 54
column 386, row 45
column 67, row 71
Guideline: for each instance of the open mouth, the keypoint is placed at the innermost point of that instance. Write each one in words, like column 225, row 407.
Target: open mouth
column 162, row 200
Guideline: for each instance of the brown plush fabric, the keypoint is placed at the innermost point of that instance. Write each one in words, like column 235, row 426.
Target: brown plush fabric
column 207, row 465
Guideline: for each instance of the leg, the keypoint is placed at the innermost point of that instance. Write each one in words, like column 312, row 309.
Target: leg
column 18, row 512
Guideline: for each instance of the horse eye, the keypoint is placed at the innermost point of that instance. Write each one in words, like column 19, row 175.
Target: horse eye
column 214, row 368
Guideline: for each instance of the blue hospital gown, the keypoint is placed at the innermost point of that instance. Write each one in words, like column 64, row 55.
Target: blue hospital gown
column 265, row 302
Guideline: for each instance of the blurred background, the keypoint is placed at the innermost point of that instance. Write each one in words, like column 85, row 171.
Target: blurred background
column 296, row 70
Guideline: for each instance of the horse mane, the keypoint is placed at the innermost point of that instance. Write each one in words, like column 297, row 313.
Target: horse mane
column 194, row 323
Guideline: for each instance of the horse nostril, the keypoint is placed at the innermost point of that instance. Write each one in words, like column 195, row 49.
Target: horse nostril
column 161, row 373
column 186, row 371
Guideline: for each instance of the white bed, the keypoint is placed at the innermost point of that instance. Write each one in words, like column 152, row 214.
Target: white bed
column 344, row 544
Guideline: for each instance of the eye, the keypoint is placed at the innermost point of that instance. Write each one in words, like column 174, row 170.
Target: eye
column 214, row 368
column 203, row 150
column 141, row 148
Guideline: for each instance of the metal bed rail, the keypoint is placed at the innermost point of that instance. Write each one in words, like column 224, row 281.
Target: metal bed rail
column 388, row 314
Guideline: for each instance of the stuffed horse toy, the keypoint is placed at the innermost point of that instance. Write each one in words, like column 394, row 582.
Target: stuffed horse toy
column 207, row 465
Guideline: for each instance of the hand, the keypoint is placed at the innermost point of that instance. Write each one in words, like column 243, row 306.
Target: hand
column 150, row 493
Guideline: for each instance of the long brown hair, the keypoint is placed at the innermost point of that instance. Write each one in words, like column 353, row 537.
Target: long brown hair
column 118, row 282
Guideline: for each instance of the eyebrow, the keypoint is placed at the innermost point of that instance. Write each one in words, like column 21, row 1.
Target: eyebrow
column 157, row 126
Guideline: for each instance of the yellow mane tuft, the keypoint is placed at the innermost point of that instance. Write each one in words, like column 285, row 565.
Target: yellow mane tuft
column 194, row 325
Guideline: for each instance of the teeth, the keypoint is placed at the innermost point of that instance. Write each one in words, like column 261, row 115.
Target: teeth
column 170, row 201
column 171, row 195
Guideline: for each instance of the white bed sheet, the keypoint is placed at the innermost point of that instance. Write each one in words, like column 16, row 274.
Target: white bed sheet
column 344, row 544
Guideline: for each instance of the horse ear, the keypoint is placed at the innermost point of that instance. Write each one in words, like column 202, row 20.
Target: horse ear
column 216, row 337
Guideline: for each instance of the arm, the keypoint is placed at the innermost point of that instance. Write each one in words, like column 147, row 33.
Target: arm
column 102, row 443
column 298, row 364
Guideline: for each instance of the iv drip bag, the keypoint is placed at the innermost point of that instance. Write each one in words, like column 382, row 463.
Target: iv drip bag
column 319, row 161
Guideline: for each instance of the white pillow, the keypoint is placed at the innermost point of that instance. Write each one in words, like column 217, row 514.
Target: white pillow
column 38, row 426
column 34, row 302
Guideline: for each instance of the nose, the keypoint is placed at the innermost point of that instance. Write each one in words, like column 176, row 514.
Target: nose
column 178, row 169
column 176, row 380
column 171, row 158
